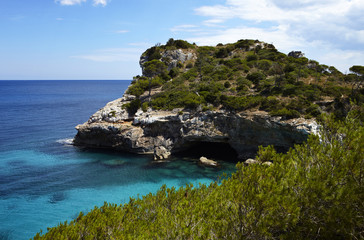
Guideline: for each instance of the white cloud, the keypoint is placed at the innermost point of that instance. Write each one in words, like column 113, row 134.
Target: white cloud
column 313, row 26
column 122, row 31
column 100, row 2
column 342, row 59
column 113, row 55
column 185, row 28
column 69, row 2
column 74, row 2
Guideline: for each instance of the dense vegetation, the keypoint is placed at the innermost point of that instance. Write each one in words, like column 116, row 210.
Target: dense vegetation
column 246, row 75
column 315, row 191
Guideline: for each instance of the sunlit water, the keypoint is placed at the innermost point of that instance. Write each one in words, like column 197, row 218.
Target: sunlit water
column 45, row 181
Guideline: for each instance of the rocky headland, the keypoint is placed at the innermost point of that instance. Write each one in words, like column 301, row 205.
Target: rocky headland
column 239, row 116
column 162, row 133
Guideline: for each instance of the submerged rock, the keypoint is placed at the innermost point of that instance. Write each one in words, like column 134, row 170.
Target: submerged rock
column 113, row 163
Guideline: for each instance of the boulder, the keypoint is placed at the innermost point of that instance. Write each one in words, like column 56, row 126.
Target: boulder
column 208, row 162
column 161, row 153
column 250, row 161
column 267, row 163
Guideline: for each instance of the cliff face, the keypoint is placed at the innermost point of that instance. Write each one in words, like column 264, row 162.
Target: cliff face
column 172, row 57
column 164, row 132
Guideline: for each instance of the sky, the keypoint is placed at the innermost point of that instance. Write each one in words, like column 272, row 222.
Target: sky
column 103, row 39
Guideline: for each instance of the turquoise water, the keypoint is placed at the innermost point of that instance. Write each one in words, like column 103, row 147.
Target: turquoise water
column 44, row 181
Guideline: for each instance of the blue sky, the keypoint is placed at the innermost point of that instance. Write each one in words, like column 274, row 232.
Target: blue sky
column 103, row 39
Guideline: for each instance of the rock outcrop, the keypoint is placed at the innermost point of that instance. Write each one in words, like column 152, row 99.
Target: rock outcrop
column 208, row 162
column 163, row 133
column 161, row 153
column 296, row 54
column 172, row 57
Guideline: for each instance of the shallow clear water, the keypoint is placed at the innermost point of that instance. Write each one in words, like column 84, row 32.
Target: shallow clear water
column 44, row 181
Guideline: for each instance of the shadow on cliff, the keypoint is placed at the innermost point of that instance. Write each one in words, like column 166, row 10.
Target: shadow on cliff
column 212, row 150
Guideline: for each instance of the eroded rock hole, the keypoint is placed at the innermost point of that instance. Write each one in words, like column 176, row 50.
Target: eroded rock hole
column 211, row 150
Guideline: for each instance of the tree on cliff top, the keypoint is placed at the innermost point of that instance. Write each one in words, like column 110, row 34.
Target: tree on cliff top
column 359, row 71
column 152, row 69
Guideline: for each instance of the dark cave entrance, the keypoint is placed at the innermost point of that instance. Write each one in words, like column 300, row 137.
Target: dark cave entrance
column 212, row 150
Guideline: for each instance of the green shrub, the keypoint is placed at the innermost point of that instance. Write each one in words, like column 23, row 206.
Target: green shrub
column 270, row 54
column 174, row 72
column 190, row 75
column 266, row 154
column 139, row 87
column 285, row 113
column 207, row 69
column 289, row 68
column 207, row 108
column 255, row 77
column 189, row 65
column 264, row 64
column 153, row 53
column 222, row 53
column 314, row 191
column 312, row 111
column 289, row 90
column 227, row 84
column 312, row 94
column 244, row 44
column 176, row 99
column 209, row 97
column 350, row 77
column 133, row 106
column 154, row 67
column 251, row 57
column 191, row 101
column 220, row 73
column 232, row 63
column 145, row 106
column 270, row 103
column 335, row 91
column 183, row 44
column 171, row 43
column 112, row 113
column 298, row 104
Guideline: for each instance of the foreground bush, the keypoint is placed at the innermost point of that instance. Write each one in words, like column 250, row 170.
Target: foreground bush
column 314, row 191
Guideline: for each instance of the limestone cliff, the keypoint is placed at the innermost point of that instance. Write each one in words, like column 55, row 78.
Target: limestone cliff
column 165, row 132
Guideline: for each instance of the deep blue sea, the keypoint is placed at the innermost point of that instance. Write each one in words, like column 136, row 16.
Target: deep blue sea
column 44, row 181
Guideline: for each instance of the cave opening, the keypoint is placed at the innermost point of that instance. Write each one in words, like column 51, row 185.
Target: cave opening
column 212, row 150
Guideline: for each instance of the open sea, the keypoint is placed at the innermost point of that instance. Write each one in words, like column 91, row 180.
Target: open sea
column 45, row 181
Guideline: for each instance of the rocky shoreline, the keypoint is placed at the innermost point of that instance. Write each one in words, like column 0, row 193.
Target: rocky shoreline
column 164, row 133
